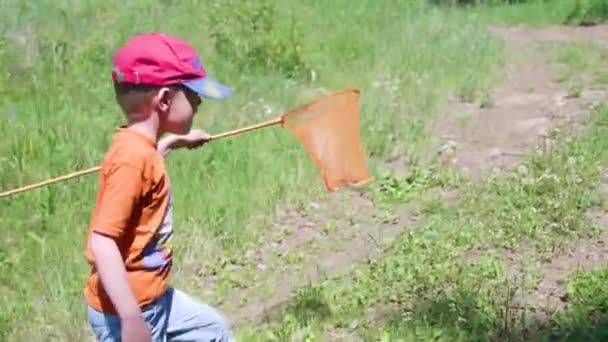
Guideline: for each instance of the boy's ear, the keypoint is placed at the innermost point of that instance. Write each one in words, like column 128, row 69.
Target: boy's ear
column 162, row 100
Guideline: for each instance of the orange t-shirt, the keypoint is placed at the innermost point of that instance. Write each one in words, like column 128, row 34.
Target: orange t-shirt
column 133, row 206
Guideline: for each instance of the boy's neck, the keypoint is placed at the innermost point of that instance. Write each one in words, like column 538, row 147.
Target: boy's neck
column 149, row 127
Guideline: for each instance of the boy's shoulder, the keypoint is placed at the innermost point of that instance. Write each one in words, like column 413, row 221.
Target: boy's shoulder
column 134, row 150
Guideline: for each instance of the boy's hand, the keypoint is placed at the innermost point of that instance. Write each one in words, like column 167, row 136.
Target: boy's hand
column 194, row 139
column 135, row 329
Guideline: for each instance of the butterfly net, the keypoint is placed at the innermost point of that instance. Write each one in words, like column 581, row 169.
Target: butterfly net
column 329, row 131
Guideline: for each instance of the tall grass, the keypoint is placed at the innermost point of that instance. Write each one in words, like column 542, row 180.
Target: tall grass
column 57, row 115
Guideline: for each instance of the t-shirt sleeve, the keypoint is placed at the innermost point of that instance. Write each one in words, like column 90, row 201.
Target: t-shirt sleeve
column 122, row 190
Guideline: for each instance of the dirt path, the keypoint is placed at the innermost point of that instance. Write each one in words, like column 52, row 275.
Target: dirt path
column 332, row 235
column 526, row 109
column 327, row 241
column 494, row 135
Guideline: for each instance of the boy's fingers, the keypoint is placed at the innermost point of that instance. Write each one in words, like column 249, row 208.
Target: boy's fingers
column 202, row 134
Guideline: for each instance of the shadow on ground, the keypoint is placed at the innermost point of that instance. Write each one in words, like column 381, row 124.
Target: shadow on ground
column 469, row 315
column 470, row 311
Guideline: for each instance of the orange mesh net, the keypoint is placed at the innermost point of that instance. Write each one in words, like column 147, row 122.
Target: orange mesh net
column 329, row 131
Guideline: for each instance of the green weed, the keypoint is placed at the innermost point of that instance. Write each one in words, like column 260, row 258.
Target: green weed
column 587, row 316
column 393, row 188
column 583, row 62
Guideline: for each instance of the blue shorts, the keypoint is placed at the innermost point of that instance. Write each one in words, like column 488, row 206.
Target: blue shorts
column 173, row 317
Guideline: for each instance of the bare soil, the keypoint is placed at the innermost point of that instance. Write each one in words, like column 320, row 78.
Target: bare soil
column 326, row 240
column 492, row 137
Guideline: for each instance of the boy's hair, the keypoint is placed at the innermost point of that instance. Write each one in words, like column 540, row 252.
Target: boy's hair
column 133, row 97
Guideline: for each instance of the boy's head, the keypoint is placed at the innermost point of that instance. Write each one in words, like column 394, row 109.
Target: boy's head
column 156, row 74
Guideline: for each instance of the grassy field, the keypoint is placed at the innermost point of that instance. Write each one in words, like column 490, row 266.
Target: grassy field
column 57, row 115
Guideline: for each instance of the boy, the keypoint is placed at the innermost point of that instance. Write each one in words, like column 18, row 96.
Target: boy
column 158, row 80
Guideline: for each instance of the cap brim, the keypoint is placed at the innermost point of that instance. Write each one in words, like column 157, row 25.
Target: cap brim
column 210, row 88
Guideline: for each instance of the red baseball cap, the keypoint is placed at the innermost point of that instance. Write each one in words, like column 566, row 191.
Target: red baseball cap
column 162, row 60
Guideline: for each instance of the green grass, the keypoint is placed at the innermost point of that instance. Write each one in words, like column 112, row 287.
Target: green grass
column 587, row 317
column 57, row 115
column 447, row 279
column 584, row 63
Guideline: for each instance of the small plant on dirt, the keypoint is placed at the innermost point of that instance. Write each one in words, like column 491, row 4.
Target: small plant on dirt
column 394, row 188
column 309, row 306
column 468, row 92
column 330, row 227
column 486, row 101
column 575, row 89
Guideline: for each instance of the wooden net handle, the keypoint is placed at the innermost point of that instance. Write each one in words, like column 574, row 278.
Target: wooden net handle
column 97, row 168
column 50, row 181
column 248, row 128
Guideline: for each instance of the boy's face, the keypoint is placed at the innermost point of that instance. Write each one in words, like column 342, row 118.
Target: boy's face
column 180, row 110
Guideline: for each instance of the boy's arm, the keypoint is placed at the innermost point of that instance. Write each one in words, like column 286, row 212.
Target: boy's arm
column 123, row 186
column 166, row 144
column 113, row 276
